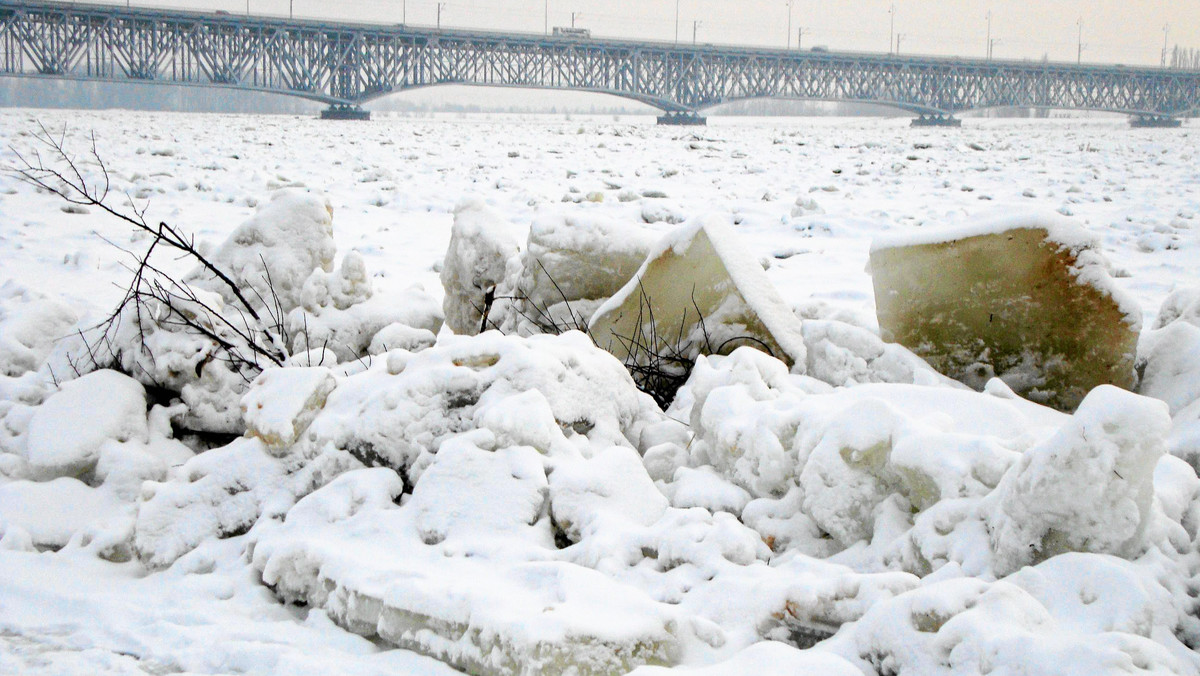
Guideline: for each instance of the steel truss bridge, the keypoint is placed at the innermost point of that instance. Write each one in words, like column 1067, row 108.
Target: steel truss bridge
column 347, row 65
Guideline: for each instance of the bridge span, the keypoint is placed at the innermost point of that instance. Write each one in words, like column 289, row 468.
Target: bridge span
column 347, row 65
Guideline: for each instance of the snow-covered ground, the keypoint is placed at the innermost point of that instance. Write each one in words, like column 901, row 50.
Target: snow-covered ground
column 522, row 529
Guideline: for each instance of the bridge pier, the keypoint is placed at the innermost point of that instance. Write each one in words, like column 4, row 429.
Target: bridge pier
column 937, row 121
column 342, row 112
column 1155, row 122
column 682, row 118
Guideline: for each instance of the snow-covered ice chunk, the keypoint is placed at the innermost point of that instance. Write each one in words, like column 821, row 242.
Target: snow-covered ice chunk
column 843, row 354
column 1185, row 435
column 1181, row 305
column 1089, row 488
column 587, row 497
column 1177, row 492
column 701, row 288
column 282, row 403
column 703, row 487
column 397, row 414
column 217, row 494
column 401, row 337
column 1169, row 360
column 968, row 626
column 1169, row 353
column 30, row 322
column 1096, row 594
column 848, row 474
column 742, row 414
column 212, row 399
column 1026, row 298
column 68, row 430
column 474, row 501
column 475, row 264
column 271, row 255
column 843, row 457
column 580, row 257
column 341, row 312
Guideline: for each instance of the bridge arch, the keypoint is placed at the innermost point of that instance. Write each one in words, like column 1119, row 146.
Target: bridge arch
column 883, row 103
column 654, row 102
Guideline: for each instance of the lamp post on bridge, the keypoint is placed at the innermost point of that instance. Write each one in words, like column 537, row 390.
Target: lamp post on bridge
column 891, row 28
column 695, row 25
column 1166, row 32
column 800, row 36
column 676, row 21
column 440, row 7
column 1079, row 54
column 989, row 35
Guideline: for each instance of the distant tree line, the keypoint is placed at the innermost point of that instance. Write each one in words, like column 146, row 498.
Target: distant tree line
column 1183, row 58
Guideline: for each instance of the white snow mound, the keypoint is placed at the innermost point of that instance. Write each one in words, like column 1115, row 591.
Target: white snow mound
column 68, row 430
column 1088, row 488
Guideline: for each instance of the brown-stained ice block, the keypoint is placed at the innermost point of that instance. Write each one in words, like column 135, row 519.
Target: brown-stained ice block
column 1026, row 298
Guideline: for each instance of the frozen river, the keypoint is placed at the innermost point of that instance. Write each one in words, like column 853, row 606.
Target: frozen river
column 533, row 540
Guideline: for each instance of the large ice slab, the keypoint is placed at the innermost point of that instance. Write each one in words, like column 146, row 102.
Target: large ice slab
column 1026, row 298
column 699, row 292
column 572, row 264
column 428, row 576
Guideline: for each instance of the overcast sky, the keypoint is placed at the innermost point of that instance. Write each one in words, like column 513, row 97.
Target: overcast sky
column 1114, row 31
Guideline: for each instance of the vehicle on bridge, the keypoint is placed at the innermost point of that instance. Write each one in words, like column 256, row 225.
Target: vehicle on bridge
column 569, row 32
